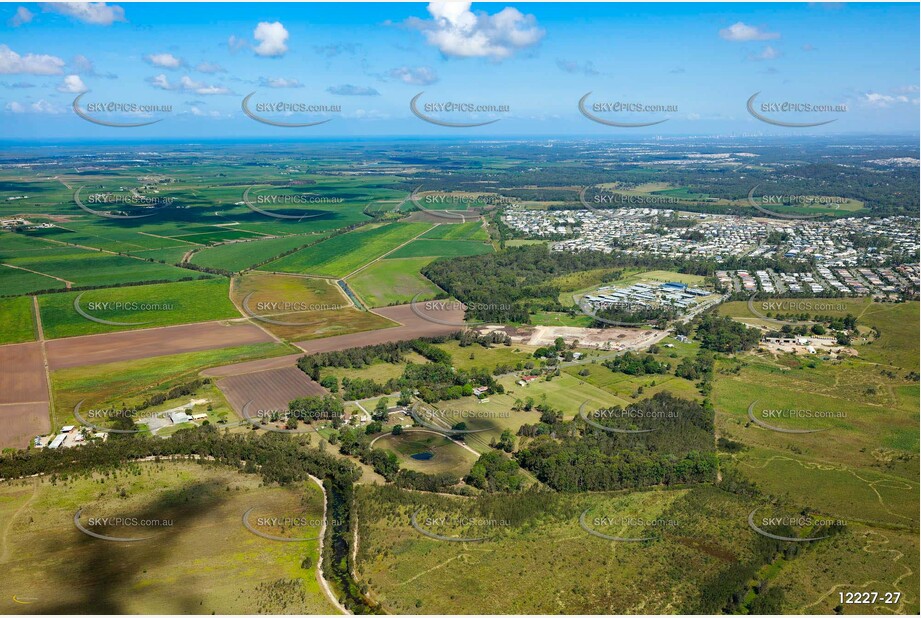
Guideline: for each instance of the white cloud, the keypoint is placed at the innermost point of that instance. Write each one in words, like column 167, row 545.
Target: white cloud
column 72, row 84
column 164, row 60
column 880, row 101
column 85, row 66
column 573, row 66
column 740, row 31
column 272, row 39
column 279, row 82
column 768, row 53
column 186, row 84
column 457, row 31
column 235, row 43
column 39, row 107
column 351, row 90
column 34, row 64
column 210, row 68
column 197, row 111
column 22, row 16
column 98, row 13
column 417, row 76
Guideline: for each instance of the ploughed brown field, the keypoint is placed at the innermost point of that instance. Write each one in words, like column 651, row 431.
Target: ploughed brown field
column 132, row 345
column 272, row 389
column 289, row 360
column 23, row 395
column 443, row 322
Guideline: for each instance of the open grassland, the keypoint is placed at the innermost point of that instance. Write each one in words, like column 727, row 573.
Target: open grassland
column 241, row 255
column 478, row 357
column 378, row 371
column 865, row 560
column 200, row 559
column 143, row 306
column 343, row 254
column 460, row 231
column 867, row 495
column 534, row 542
column 302, row 308
column 131, row 382
column 17, row 322
column 858, row 408
column 393, row 282
column 428, row 452
column 554, row 318
column 441, row 248
column 897, row 323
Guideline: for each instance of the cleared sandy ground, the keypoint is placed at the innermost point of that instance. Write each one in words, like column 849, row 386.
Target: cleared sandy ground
column 441, row 321
column 601, row 338
column 131, row 345
column 24, row 410
column 272, row 389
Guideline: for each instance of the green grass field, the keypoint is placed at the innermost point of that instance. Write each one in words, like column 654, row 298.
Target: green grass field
column 343, row 254
column 200, row 559
column 393, row 282
column 240, row 255
column 17, row 319
column 441, row 248
column 460, row 231
column 147, row 306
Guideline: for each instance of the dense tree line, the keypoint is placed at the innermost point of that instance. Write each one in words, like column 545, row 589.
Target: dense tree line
column 493, row 471
column 723, row 334
column 576, row 456
column 634, row 364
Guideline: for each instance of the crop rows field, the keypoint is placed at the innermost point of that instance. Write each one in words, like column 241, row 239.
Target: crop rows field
column 238, row 256
column 53, row 266
column 17, row 317
column 473, row 230
column 134, row 307
column 340, row 255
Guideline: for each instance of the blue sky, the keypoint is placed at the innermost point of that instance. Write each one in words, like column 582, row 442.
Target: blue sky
column 701, row 61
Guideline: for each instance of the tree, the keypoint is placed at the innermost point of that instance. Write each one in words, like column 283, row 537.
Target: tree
column 397, row 430
column 330, row 383
column 380, row 410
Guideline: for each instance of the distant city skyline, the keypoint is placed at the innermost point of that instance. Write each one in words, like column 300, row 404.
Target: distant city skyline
column 697, row 66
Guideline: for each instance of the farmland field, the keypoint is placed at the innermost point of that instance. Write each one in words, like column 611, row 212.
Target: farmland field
column 131, row 382
column 238, row 256
column 441, row 248
column 302, row 308
column 460, row 231
column 343, row 254
column 134, row 307
column 201, row 558
column 17, row 319
column 393, row 282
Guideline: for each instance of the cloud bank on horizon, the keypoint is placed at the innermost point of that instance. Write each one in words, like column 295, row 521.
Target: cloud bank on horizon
column 527, row 66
